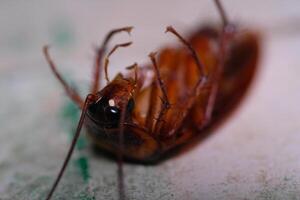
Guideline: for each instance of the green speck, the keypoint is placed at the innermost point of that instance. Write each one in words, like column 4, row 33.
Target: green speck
column 70, row 112
column 62, row 33
column 70, row 116
column 83, row 165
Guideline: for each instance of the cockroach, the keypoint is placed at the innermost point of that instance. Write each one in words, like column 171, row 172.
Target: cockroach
column 146, row 113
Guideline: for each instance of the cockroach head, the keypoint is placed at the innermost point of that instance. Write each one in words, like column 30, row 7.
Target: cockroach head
column 115, row 98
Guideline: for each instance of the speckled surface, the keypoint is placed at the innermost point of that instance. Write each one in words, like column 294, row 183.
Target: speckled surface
column 255, row 155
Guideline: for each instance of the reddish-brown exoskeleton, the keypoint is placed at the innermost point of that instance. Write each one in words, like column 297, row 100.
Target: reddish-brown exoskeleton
column 143, row 115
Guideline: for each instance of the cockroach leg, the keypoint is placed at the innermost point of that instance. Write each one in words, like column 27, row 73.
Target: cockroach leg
column 136, row 73
column 120, row 155
column 71, row 92
column 135, row 68
column 100, row 52
column 222, row 12
column 89, row 99
column 226, row 33
column 165, row 100
column 198, row 61
column 203, row 79
column 159, row 79
column 152, row 107
column 109, row 54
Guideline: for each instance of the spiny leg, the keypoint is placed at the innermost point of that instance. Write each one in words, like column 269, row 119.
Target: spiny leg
column 165, row 100
column 110, row 53
column 100, row 52
column 121, row 185
column 228, row 31
column 222, row 12
column 199, row 84
column 71, row 92
column 89, row 99
column 152, row 107
column 121, row 125
column 215, row 84
column 198, row 61
column 134, row 67
column 203, row 77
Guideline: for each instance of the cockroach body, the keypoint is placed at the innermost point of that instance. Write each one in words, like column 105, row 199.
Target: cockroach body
column 143, row 115
column 145, row 137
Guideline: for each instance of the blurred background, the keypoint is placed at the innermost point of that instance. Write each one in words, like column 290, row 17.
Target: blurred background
column 255, row 155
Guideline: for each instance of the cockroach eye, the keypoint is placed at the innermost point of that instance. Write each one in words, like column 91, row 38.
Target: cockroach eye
column 112, row 113
column 93, row 108
column 130, row 105
column 98, row 107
